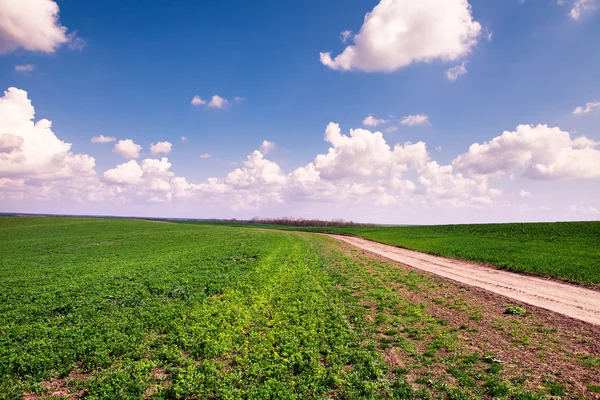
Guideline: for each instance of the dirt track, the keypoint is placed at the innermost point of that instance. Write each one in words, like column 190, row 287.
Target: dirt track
column 570, row 300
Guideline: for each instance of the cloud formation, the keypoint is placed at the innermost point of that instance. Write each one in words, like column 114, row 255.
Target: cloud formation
column 266, row 147
column 588, row 108
column 417, row 119
column 372, row 121
column 127, row 148
column 397, row 33
column 32, row 25
column 103, row 139
column 160, row 148
column 215, row 102
column 535, row 152
column 359, row 169
column 581, row 7
column 455, row 72
column 197, row 101
column 218, row 102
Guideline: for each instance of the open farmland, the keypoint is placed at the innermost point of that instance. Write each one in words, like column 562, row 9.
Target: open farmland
column 106, row 309
column 568, row 251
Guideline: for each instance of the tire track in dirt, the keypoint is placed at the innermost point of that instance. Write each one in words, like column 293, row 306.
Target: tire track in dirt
column 570, row 300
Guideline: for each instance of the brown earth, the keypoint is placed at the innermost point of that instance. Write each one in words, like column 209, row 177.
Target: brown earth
column 570, row 300
column 541, row 346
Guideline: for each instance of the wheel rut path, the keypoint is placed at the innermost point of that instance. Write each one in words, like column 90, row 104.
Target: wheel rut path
column 570, row 300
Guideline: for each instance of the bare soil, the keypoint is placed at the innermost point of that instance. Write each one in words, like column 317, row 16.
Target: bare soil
column 570, row 300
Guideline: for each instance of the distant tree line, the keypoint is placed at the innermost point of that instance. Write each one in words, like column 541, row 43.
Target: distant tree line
column 288, row 221
column 303, row 222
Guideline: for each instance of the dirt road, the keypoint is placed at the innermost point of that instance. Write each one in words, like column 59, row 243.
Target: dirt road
column 570, row 300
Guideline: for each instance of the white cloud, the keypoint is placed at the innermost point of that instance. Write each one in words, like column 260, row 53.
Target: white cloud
column 345, row 35
column 183, row 139
column 33, row 161
column 238, row 99
column 589, row 107
column 359, row 171
column 215, row 102
column 128, row 173
column 103, row 139
column 205, row 155
column 581, row 7
column 391, row 129
column 218, row 102
column 197, row 101
column 266, row 147
column 438, row 149
column 160, row 148
column 537, row 152
column 418, row 119
column 365, row 153
column 372, row 121
column 455, row 72
column 524, row 193
column 24, row 68
column 397, row 33
column 127, row 148
column 32, row 25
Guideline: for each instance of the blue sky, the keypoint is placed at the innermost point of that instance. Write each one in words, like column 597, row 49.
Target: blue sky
column 142, row 63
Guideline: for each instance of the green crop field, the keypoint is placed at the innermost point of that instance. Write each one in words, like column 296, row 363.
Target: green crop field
column 565, row 250
column 131, row 309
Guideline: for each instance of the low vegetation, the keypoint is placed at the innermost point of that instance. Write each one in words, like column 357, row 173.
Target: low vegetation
column 106, row 309
column 568, row 251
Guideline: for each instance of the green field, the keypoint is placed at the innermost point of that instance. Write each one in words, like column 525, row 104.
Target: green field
column 130, row 309
column 568, row 251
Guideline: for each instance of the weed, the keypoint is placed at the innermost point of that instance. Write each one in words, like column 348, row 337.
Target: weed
column 515, row 310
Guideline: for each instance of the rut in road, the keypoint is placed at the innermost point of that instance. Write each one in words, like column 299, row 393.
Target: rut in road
column 570, row 300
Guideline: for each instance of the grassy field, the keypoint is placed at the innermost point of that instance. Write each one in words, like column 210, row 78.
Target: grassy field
column 568, row 251
column 127, row 309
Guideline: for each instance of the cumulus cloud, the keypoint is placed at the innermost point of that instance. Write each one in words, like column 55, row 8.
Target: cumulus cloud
column 372, row 121
column 365, row 153
column 127, row 148
column 197, row 101
column 455, row 72
column 536, row 152
column 360, row 169
column 417, row 119
column 184, row 139
column 103, row 139
column 397, row 33
column 32, row 159
column 32, row 25
column 24, row 68
column 205, row 155
column 588, row 108
column 129, row 173
column 160, row 148
column 218, row 102
column 266, row 147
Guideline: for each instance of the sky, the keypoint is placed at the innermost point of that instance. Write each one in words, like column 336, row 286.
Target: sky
column 390, row 111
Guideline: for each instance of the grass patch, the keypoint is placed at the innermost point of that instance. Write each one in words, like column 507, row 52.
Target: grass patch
column 131, row 309
column 565, row 250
